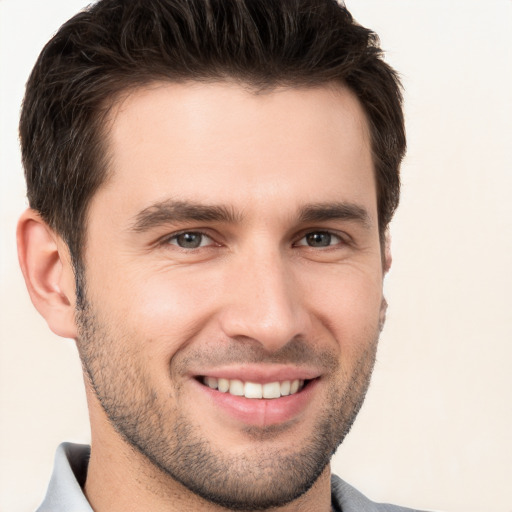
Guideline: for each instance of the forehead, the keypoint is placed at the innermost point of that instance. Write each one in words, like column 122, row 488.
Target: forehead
column 222, row 143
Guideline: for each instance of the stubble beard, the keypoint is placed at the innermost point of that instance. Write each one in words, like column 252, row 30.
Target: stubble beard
column 262, row 479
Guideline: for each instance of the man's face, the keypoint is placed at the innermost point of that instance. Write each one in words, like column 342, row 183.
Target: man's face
column 235, row 245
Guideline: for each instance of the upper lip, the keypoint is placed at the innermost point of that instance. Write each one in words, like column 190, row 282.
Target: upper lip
column 260, row 373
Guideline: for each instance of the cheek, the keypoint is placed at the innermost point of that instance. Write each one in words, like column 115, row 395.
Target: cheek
column 348, row 303
column 163, row 308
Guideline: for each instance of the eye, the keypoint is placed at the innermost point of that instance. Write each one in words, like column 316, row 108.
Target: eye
column 190, row 240
column 320, row 239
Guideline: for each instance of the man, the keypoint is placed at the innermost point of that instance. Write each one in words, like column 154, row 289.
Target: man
column 210, row 186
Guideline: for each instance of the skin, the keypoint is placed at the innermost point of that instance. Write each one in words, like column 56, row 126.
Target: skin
column 268, row 293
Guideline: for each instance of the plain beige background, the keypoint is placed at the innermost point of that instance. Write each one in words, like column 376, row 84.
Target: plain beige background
column 436, row 430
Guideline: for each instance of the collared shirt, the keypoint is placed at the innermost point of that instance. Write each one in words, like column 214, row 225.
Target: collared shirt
column 65, row 491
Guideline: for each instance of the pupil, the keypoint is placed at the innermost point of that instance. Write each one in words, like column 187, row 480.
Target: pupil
column 319, row 239
column 189, row 240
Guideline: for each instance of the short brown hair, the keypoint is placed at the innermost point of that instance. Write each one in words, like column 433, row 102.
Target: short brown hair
column 115, row 45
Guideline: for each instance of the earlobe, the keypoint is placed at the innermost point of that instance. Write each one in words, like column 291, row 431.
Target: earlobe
column 382, row 313
column 386, row 265
column 46, row 265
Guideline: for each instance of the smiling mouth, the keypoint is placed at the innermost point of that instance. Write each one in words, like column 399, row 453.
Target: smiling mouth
column 255, row 390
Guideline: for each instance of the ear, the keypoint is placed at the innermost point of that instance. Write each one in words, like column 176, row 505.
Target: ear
column 387, row 258
column 386, row 265
column 46, row 265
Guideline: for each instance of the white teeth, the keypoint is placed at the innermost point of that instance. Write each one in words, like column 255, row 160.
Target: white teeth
column 294, row 387
column 211, row 382
column 223, row 385
column 254, row 390
column 285, row 388
column 236, row 387
column 272, row 390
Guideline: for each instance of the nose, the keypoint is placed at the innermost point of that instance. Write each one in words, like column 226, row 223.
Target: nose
column 265, row 302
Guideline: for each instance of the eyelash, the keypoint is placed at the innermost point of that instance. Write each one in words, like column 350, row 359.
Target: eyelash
column 343, row 241
column 331, row 234
column 168, row 240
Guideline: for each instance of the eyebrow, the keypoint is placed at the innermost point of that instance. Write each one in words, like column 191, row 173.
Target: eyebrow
column 170, row 210
column 321, row 212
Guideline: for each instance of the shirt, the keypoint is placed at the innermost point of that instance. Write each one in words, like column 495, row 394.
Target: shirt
column 65, row 492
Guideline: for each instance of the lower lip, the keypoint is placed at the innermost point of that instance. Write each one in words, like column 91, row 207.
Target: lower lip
column 261, row 412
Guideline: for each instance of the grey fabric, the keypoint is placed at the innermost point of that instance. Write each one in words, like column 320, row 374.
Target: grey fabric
column 70, row 470
column 347, row 499
column 65, row 489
